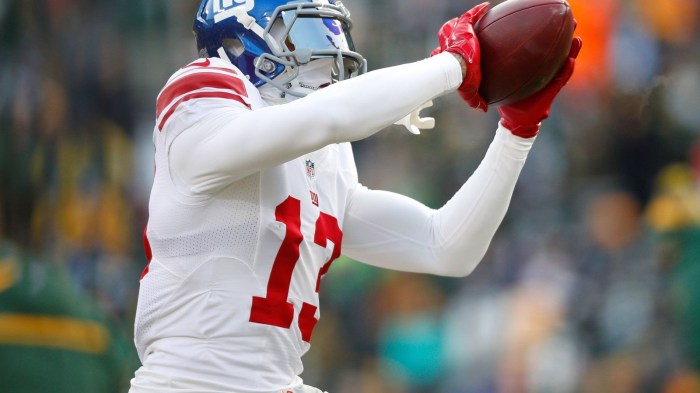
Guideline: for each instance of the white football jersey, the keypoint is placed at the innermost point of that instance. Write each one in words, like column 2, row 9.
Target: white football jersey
column 229, row 299
column 250, row 204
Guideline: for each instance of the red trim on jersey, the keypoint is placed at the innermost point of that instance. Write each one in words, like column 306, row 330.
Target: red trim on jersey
column 206, row 63
column 197, row 63
column 307, row 321
column 230, row 71
column 203, row 94
column 196, row 81
column 147, row 250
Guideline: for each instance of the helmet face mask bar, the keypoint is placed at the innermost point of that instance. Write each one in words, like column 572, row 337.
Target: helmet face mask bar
column 269, row 40
column 302, row 32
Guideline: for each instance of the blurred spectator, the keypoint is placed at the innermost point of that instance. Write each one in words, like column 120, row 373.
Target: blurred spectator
column 52, row 338
column 674, row 21
column 675, row 214
column 596, row 23
column 410, row 337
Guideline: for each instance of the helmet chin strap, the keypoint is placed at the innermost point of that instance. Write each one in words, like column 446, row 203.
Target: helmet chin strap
column 312, row 76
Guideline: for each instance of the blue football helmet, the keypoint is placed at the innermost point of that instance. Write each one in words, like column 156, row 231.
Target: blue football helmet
column 268, row 40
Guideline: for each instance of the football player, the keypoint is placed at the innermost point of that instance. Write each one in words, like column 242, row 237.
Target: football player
column 256, row 190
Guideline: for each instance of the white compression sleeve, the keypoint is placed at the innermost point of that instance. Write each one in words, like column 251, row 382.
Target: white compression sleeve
column 246, row 141
column 393, row 231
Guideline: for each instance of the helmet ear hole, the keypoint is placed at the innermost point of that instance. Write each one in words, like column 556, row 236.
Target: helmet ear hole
column 233, row 46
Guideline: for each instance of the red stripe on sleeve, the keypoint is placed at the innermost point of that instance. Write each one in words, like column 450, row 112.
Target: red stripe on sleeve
column 202, row 94
column 195, row 81
column 148, row 252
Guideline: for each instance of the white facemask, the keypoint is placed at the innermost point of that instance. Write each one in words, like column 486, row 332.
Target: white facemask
column 312, row 76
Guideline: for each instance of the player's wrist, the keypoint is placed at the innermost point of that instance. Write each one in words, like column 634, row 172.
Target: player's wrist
column 523, row 131
column 523, row 121
column 462, row 63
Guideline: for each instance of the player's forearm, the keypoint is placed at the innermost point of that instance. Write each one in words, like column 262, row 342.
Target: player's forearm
column 467, row 223
column 347, row 111
column 359, row 107
column 395, row 232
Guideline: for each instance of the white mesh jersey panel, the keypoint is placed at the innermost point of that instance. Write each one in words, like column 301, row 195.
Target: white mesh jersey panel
column 224, row 227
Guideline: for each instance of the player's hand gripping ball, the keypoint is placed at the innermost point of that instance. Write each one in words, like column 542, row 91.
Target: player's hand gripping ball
column 523, row 118
column 457, row 36
column 524, row 44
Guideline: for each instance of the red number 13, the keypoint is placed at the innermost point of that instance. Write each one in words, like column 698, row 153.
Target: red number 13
column 274, row 309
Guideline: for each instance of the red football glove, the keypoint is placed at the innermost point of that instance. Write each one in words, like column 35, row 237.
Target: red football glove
column 523, row 118
column 457, row 36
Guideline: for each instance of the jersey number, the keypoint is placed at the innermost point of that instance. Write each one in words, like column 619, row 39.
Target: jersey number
column 274, row 309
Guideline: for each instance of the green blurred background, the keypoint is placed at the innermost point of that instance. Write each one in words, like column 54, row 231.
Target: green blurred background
column 591, row 285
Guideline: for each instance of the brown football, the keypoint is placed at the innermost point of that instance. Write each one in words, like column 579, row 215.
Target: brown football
column 523, row 45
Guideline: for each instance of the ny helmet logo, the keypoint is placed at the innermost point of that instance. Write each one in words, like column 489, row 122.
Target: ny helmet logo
column 224, row 9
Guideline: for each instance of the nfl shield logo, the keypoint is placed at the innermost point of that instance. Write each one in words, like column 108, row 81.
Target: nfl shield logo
column 310, row 169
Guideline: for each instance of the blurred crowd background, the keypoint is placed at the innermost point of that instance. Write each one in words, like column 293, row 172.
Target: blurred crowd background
column 591, row 285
